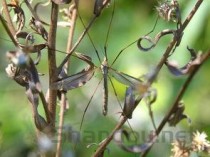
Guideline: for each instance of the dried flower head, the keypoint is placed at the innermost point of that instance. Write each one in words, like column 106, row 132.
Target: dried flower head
column 200, row 143
column 169, row 10
column 180, row 149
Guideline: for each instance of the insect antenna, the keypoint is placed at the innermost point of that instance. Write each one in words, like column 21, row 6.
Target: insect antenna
column 156, row 21
column 122, row 50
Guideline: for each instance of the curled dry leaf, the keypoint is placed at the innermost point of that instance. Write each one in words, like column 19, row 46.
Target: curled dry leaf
column 154, row 42
column 174, row 68
column 133, row 148
column 38, row 28
column 178, row 115
column 19, row 75
column 77, row 80
column 19, row 16
column 129, row 103
column 29, row 45
column 99, row 5
column 27, row 76
column 18, row 58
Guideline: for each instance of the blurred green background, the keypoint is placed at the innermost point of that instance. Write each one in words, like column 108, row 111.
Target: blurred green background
column 131, row 20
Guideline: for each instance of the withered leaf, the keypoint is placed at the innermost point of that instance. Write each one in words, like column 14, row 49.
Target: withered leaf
column 174, row 68
column 19, row 75
column 22, row 70
column 98, row 7
column 19, row 15
column 40, row 123
column 18, row 58
column 29, row 47
column 132, row 148
column 154, row 41
column 129, row 103
column 178, row 115
column 38, row 27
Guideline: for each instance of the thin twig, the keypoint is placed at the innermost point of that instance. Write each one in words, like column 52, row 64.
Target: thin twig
column 80, row 39
column 44, row 103
column 63, row 94
column 60, row 128
column 103, row 146
column 8, row 18
column 32, row 10
column 179, row 97
column 173, row 42
column 52, row 62
column 8, row 30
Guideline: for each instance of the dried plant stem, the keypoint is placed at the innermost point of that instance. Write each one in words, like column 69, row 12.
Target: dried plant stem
column 104, row 144
column 179, row 97
column 63, row 94
column 44, row 103
column 102, row 147
column 52, row 63
column 174, row 41
column 32, row 10
column 8, row 30
column 60, row 129
column 8, row 18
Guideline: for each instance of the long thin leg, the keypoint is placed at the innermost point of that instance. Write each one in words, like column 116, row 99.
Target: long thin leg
column 115, row 93
column 108, row 31
column 83, row 116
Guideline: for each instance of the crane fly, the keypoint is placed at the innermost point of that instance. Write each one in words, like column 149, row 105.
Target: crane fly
column 107, row 70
